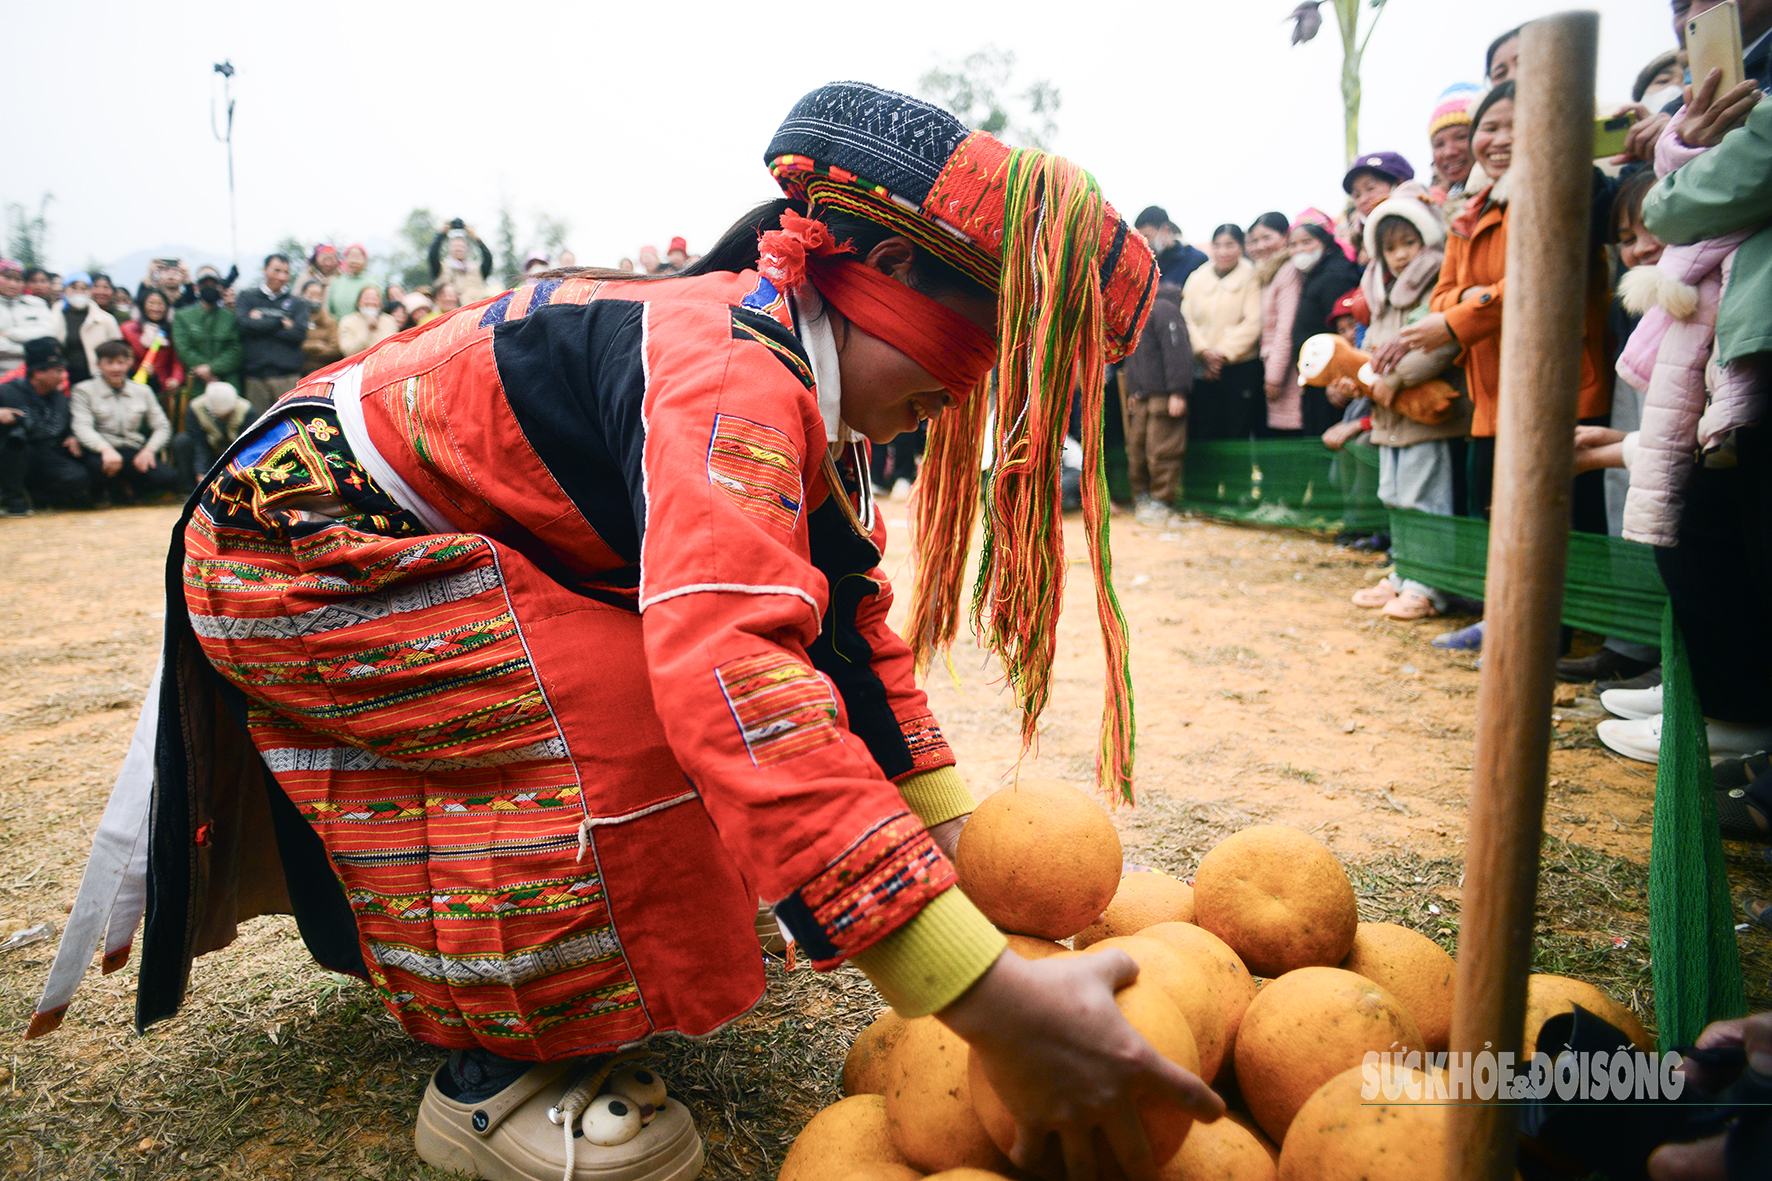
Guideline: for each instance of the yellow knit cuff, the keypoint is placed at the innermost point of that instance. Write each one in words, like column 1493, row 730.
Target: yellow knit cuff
column 936, row 796
column 926, row 964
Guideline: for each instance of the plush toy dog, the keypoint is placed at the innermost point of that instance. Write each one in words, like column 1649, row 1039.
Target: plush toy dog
column 1328, row 356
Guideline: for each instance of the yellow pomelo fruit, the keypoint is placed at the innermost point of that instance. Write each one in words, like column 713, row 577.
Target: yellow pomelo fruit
column 1030, row 948
column 1222, row 1150
column 1304, row 1029
column 966, row 1174
column 1243, row 1120
column 864, row 1070
column 1279, row 897
column 1341, row 1136
column 1548, row 996
column 929, row 1108
column 1039, row 858
column 1145, row 898
column 883, row 1172
column 848, row 1133
column 1191, row 981
column 1236, row 987
column 1148, row 1010
column 1418, row 972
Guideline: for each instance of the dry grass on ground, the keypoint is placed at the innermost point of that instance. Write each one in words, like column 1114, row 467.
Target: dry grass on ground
column 1262, row 697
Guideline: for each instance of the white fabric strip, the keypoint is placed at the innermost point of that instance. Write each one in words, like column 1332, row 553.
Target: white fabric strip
column 113, row 890
column 347, row 402
column 739, row 588
column 827, row 378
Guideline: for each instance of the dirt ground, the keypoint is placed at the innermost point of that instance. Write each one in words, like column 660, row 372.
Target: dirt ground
column 1261, row 695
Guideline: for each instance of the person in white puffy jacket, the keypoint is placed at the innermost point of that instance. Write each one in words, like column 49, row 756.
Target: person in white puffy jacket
column 23, row 316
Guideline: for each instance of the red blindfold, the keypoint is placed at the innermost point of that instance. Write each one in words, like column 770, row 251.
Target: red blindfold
column 948, row 346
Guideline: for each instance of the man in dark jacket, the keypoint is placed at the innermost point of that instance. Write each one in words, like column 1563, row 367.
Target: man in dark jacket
column 39, row 456
column 273, row 324
column 1156, row 381
column 1176, row 260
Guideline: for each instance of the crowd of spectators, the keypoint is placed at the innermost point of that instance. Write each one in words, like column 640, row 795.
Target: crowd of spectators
column 1384, row 325
column 113, row 396
column 1381, row 322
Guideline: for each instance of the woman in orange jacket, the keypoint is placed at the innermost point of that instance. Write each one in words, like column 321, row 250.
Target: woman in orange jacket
column 1468, row 304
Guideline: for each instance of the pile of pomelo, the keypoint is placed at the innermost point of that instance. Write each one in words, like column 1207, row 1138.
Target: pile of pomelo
column 1259, row 977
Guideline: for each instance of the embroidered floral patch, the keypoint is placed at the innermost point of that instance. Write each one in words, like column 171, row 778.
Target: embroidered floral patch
column 758, row 467
column 783, row 708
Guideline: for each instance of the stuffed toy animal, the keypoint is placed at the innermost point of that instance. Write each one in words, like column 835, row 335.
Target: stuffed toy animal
column 1327, row 357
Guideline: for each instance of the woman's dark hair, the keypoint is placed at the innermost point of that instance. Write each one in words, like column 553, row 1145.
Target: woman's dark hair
column 1505, row 90
column 1390, row 226
column 1627, row 202
column 737, row 251
column 1489, row 57
column 1273, row 220
column 100, row 276
column 1320, row 234
column 1231, row 228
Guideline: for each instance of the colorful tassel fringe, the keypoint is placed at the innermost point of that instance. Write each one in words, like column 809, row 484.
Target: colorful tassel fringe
column 1051, row 348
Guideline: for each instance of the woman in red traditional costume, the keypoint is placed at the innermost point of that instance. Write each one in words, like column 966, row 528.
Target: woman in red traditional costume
column 552, row 635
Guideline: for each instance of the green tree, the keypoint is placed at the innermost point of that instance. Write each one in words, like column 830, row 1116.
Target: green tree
column 509, row 265
column 980, row 90
column 298, row 254
column 409, row 264
column 1306, row 21
column 27, row 237
column 550, row 233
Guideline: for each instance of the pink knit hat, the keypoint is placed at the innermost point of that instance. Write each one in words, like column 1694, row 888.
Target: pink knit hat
column 1454, row 107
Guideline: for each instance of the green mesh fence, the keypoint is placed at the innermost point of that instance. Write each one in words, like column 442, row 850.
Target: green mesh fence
column 1293, row 482
column 1695, row 961
column 1611, row 588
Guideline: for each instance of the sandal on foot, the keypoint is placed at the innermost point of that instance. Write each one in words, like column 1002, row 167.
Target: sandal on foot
column 1732, row 773
column 577, row 1120
column 1408, row 606
column 1758, row 910
column 1739, row 820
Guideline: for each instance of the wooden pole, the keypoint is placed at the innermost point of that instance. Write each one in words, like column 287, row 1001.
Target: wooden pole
column 1547, row 270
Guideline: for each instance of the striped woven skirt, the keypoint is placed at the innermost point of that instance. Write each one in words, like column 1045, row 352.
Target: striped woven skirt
column 478, row 749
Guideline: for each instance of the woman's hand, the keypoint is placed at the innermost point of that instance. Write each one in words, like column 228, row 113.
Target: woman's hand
column 1212, row 361
column 1430, row 333
column 1336, row 437
column 1342, row 390
column 1064, row 1061
column 1274, row 390
column 1710, row 116
column 1177, row 405
column 1386, row 356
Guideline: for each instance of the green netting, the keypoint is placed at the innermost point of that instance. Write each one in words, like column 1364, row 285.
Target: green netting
column 1611, row 587
column 1696, row 964
column 1294, row 482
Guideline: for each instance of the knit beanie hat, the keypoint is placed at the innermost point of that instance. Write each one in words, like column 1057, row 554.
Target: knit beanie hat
column 1453, row 107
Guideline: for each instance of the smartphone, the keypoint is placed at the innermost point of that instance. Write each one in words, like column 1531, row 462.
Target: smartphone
column 1713, row 42
column 1609, row 134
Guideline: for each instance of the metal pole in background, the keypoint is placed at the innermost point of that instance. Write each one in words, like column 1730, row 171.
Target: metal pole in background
column 1547, row 271
column 226, row 70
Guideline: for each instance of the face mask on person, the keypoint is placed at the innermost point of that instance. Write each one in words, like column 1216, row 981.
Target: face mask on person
column 209, row 295
column 1655, row 100
column 79, row 301
column 1307, row 259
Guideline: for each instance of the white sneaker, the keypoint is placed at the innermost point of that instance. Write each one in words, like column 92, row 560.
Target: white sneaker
column 1732, row 740
column 1636, row 738
column 1632, row 703
column 1151, row 513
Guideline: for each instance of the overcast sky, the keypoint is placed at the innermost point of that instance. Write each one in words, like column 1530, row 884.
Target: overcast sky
column 637, row 121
